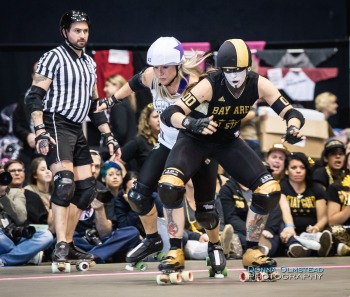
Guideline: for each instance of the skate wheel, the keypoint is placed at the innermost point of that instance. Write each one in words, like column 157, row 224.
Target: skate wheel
column 211, row 272
column 187, row 276
column 244, row 276
column 175, row 277
column 261, row 276
column 207, row 260
column 162, row 279
column 160, row 256
column 224, row 272
column 129, row 267
column 142, row 266
column 82, row 266
column 92, row 264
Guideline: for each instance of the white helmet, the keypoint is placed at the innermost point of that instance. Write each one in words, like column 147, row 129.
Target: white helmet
column 165, row 51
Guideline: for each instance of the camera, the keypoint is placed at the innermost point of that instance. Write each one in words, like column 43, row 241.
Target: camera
column 104, row 196
column 92, row 237
column 5, row 178
column 15, row 233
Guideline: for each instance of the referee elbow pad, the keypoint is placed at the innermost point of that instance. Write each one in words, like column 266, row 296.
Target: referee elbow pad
column 34, row 99
column 167, row 114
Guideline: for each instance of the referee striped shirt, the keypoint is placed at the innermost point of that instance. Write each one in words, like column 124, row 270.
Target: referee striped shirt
column 73, row 79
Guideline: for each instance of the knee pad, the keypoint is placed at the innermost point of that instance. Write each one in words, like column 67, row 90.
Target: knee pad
column 140, row 199
column 207, row 215
column 85, row 192
column 171, row 190
column 266, row 197
column 63, row 189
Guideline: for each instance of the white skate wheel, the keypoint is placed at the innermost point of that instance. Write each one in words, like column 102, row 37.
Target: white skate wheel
column 219, row 275
column 187, row 276
column 244, row 276
column 129, row 267
column 175, row 277
column 83, row 266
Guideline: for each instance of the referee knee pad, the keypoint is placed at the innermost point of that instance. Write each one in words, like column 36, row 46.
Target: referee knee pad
column 207, row 215
column 63, row 189
column 140, row 198
column 266, row 197
column 171, row 190
column 85, row 192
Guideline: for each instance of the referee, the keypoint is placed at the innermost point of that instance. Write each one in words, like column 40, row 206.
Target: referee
column 63, row 93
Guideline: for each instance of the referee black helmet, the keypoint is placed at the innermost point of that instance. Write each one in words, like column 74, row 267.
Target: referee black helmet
column 73, row 16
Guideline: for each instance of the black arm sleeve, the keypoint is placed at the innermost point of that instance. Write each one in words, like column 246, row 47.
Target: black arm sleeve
column 34, row 99
column 97, row 118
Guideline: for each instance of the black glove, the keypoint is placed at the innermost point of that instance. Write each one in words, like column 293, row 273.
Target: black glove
column 195, row 125
column 108, row 103
column 112, row 141
column 45, row 139
column 290, row 138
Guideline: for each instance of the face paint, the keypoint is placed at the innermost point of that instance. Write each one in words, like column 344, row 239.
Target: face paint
column 236, row 79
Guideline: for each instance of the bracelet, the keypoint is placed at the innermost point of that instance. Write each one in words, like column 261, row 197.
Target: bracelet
column 290, row 226
column 107, row 134
column 39, row 127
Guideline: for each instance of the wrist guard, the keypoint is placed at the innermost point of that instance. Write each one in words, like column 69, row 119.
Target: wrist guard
column 44, row 139
column 108, row 103
column 39, row 127
column 290, row 138
column 115, row 144
column 195, row 125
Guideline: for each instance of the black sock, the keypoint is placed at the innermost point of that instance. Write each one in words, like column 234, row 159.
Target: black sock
column 153, row 235
column 176, row 243
column 251, row 244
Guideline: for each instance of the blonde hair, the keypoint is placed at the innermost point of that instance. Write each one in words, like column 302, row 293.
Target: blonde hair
column 323, row 99
column 144, row 127
column 118, row 79
column 189, row 66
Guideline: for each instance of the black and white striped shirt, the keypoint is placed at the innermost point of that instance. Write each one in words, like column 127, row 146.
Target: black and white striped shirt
column 73, row 80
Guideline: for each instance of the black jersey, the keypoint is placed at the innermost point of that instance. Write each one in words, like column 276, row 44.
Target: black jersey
column 303, row 205
column 73, row 79
column 340, row 195
column 226, row 109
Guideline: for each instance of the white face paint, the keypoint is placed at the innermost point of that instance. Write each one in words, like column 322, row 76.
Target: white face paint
column 236, row 79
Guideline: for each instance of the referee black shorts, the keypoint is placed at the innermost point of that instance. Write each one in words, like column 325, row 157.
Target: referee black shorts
column 71, row 144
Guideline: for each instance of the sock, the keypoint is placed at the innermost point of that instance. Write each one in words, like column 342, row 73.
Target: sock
column 176, row 243
column 251, row 244
column 153, row 235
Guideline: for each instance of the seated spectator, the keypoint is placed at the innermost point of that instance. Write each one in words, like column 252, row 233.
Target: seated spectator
column 36, row 210
column 96, row 232
column 19, row 243
column 275, row 158
column 304, row 210
column 40, row 180
column 326, row 103
column 333, row 160
column 139, row 147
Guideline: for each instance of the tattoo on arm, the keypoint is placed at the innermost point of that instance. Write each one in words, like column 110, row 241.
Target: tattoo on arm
column 37, row 115
column 255, row 227
column 39, row 78
column 172, row 226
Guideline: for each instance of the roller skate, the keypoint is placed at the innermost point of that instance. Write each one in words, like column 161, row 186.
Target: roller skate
column 217, row 260
column 172, row 267
column 147, row 247
column 259, row 267
column 66, row 254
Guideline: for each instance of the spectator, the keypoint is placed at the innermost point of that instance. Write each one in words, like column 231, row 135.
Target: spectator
column 275, row 158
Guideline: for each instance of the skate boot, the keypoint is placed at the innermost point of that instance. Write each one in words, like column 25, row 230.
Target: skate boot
column 171, row 267
column 60, row 257
column 147, row 247
column 260, row 267
column 77, row 255
column 217, row 260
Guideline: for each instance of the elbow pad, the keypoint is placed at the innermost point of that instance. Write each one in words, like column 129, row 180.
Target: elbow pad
column 97, row 118
column 293, row 113
column 167, row 114
column 34, row 99
column 135, row 83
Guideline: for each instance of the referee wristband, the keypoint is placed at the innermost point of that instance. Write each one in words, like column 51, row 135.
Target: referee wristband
column 39, row 127
column 290, row 226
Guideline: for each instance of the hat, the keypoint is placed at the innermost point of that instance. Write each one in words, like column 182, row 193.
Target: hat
column 333, row 144
column 108, row 165
column 278, row 147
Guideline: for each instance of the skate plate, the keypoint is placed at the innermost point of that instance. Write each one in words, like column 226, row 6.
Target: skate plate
column 213, row 273
column 246, row 276
column 142, row 265
column 81, row 265
column 174, row 277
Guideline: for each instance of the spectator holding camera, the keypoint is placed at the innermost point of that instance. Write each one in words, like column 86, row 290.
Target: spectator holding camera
column 20, row 243
column 96, row 231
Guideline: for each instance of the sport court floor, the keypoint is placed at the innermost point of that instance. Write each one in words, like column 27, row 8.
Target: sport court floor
column 112, row 280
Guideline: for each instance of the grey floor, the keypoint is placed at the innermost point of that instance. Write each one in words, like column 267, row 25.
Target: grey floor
column 113, row 280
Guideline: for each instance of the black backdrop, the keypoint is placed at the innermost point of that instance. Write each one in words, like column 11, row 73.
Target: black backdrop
column 30, row 27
